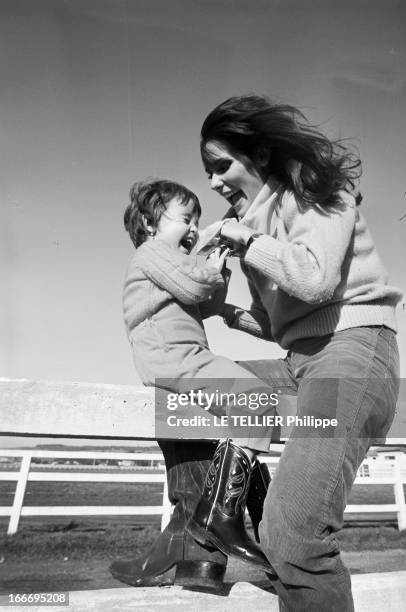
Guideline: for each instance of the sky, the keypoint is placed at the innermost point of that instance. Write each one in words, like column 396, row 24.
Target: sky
column 96, row 94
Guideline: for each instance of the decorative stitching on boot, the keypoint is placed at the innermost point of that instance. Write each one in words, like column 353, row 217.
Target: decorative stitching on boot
column 212, row 473
column 234, row 491
column 219, row 469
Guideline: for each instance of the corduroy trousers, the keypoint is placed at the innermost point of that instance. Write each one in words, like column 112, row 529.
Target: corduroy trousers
column 352, row 376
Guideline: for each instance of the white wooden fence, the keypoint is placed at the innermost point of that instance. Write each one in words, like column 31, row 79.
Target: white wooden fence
column 395, row 477
column 26, row 474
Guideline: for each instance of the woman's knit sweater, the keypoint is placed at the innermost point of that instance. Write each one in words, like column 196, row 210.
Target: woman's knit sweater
column 311, row 272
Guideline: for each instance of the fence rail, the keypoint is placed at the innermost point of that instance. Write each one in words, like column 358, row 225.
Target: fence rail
column 396, row 478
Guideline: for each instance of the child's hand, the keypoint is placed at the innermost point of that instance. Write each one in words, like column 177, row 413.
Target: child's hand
column 235, row 232
column 217, row 258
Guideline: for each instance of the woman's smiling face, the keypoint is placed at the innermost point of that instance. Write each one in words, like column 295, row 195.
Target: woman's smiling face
column 230, row 177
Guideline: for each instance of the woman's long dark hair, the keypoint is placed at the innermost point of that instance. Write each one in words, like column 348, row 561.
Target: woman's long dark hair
column 300, row 157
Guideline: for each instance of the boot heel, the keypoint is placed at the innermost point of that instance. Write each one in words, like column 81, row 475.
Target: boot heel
column 200, row 574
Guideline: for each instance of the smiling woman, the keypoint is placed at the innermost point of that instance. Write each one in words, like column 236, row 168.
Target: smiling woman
column 237, row 182
column 319, row 289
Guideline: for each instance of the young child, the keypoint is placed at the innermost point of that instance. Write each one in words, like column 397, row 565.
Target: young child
column 167, row 294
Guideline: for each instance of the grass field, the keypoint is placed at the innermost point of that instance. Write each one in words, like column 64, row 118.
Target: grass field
column 148, row 494
column 58, row 553
column 75, row 555
column 80, row 539
column 85, row 493
column 129, row 494
column 82, row 534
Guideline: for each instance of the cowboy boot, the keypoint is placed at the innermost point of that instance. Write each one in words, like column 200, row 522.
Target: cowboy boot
column 219, row 516
column 260, row 481
column 175, row 557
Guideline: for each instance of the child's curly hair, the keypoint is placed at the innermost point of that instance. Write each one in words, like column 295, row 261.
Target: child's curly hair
column 149, row 200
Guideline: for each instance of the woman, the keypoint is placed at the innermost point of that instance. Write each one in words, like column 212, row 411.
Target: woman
column 320, row 291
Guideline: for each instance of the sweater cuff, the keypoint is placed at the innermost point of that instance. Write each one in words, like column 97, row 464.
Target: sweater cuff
column 264, row 253
column 246, row 323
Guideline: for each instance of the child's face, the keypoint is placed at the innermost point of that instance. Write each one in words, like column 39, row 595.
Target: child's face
column 178, row 225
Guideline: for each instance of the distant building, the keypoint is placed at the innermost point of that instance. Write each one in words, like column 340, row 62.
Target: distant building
column 380, row 461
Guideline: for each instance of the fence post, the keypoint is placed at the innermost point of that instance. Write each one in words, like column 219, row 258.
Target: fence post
column 166, row 507
column 399, row 492
column 19, row 493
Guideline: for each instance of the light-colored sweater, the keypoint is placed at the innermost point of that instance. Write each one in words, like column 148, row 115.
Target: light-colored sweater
column 167, row 294
column 311, row 272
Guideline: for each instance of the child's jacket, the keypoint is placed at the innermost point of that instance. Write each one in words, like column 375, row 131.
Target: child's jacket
column 166, row 296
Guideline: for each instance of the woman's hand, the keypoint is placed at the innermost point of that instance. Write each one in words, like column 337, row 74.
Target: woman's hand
column 217, row 258
column 235, row 232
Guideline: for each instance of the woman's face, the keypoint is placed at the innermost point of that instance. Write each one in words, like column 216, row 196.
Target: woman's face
column 232, row 178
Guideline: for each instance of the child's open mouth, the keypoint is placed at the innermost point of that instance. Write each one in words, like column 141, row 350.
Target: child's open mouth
column 188, row 242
